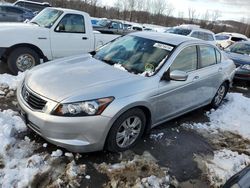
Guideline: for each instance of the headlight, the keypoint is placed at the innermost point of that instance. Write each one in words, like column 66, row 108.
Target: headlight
column 86, row 108
column 247, row 67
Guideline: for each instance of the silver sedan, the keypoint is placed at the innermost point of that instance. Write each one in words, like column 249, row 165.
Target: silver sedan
column 111, row 97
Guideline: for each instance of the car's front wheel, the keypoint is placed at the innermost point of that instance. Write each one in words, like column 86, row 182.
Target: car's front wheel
column 126, row 131
column 22, row 59
column 219, row 96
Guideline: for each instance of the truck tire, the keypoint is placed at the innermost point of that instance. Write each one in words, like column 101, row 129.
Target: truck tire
column 22, row 59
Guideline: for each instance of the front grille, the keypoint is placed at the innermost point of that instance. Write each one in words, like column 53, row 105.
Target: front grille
column 34, row 101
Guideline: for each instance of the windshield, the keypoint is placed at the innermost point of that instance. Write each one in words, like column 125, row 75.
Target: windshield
column 179, row 31
column 135, row 54
column 240, row 48
column 47, row 17
column 221, row 37
column 103, row 23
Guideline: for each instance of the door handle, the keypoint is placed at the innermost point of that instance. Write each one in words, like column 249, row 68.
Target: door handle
column 220, row 69
column 84, row 38
column 196, row 78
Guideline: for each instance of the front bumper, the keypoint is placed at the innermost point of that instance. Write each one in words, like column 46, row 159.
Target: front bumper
column 76, row 134
column 242, row 74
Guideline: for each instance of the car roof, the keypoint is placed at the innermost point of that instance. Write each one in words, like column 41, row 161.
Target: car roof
column 165, row 37
column 232, row 34
column 33, row 2
column 15, row 6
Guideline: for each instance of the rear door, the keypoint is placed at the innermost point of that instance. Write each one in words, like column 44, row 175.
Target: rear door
column 70, row 36
column 210, row 71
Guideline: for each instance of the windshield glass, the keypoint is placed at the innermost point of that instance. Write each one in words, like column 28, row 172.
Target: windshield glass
column 241, row 48
column 103, row 23
column 135, row 54
column 179, row 31
column 221, row 37
column 47, row 17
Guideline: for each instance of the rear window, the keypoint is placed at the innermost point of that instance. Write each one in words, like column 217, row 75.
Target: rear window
column 208, row 56
column 179, row 31
column 222, row 37
column 237, row 39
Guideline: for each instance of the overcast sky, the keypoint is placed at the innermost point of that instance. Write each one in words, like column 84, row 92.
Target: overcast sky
column 230, row 9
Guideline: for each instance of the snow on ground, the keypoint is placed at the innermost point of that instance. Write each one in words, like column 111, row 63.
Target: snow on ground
column 20, row 165
column 233, row 116
column 224, row 165
column 10, row 80
column 141, row 171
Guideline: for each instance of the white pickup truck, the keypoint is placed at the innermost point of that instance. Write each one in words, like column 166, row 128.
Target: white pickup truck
column 52, row 34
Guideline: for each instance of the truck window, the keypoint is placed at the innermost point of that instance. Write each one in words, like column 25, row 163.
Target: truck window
column 114, row 25
column 71, row 23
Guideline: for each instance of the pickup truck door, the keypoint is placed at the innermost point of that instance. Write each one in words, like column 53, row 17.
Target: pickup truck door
column 71, row 37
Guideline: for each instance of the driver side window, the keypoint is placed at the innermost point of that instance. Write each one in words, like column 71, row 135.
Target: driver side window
column 186, row 60
column 71, row 23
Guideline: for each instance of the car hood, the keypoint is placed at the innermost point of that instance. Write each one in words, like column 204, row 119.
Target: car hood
column 239, row 58
column 80, row 78
column 14, row 25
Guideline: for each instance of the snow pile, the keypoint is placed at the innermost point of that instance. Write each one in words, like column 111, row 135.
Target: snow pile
column 21, row 166
column 141, row 171
column 224, row 165
column 9, row 83
column 233, row 116
column 57, row 153
column 10, row 80
column 11, row 124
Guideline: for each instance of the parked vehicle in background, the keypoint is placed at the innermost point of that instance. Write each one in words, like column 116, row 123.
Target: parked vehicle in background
column 193, row 31
column 52, row 34
column 94, row 21
column 224, row 40
column 107, row 26
column 110, row 99
column 239, row 52
column 9, row 13
column 36, row 7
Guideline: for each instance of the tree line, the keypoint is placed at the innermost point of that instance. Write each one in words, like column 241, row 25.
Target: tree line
column 158, row 12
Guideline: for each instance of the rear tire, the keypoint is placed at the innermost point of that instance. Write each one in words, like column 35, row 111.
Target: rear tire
column 22, row 59
column 126, row 130
column 219, row 96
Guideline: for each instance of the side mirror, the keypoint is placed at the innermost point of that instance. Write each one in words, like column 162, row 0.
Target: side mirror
column 178, row 75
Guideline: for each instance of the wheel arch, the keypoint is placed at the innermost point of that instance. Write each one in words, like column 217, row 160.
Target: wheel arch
column 146, row 110
column 27, row 45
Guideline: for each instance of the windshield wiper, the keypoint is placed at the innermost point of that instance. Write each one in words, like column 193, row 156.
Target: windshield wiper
column 35, row 23
column 110, row 62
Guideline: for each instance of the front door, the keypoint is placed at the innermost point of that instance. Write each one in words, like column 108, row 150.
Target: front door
column 69, row 37
column 176, row 97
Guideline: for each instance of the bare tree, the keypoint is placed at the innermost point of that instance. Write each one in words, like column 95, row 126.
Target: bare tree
column 191, row 14
column 215, row 15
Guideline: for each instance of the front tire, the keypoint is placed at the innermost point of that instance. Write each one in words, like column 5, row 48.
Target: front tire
column 219, row 96
column 126, row 130
column 22, row 59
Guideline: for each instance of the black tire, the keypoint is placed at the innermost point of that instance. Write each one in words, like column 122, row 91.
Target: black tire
column 25, row 52
column 111, row 142
column 218, row 98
